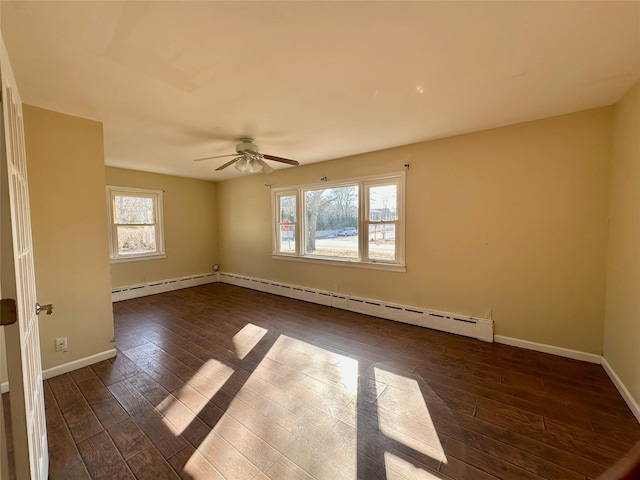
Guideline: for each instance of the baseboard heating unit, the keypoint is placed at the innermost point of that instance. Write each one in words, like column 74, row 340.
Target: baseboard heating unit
column 473, row 327
column 161, row 286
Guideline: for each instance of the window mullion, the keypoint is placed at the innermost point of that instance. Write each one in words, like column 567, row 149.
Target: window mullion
column 363, row 227
column 302, row 217
column 301, row 224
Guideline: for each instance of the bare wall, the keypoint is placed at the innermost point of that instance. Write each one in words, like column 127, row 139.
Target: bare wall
column 622, row 321
column 65, row 162
column 513, row 219
column 190, row 227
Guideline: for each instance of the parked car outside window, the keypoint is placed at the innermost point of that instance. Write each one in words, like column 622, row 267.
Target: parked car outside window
column 348, row 232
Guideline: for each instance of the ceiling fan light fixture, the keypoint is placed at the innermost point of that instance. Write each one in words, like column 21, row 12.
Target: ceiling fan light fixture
column 254, row 165
column 242, row 165
column 248, row 164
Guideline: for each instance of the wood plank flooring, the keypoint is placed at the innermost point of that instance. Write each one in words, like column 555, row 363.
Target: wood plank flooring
column 220, row 382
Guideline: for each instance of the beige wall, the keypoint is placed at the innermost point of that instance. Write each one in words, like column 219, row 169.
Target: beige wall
column 65, row 161
column 513, row 219
column 190, row 227
column 622, row 322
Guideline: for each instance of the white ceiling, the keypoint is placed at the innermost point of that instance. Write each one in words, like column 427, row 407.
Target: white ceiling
column 313, row 81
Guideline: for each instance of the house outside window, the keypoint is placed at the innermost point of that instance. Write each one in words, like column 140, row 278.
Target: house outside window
column 135, row 224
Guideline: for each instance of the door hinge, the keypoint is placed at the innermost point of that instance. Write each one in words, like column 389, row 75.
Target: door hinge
column 8, row 311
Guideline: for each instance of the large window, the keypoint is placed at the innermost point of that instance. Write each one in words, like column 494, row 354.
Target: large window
column 135, row 224
column 356, row 221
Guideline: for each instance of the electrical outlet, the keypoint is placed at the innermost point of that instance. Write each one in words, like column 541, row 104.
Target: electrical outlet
column 61, row 344
column 488, row 313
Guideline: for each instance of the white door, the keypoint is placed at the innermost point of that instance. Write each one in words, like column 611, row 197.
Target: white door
column 17, row 281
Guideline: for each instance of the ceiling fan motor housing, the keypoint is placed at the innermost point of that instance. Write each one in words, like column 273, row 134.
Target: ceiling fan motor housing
column 247, row 144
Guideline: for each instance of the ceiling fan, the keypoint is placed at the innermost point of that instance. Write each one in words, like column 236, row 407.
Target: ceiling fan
column 247, row 158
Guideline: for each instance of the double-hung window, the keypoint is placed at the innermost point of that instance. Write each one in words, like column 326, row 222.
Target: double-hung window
column 359, row 222
column 287, row 223
column 381, row 219
column 135, row 224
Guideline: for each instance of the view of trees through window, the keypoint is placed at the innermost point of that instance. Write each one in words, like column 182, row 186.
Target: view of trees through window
column 332, row 221
column 357, row 220
column 134, row 219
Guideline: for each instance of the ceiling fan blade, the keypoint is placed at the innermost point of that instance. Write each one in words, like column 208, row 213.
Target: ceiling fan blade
column 211, row 158
column 265, row 168
column 230, row 162
column 280, row 159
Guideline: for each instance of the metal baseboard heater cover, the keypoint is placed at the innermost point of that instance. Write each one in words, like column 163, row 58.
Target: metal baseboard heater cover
column 142, row 290
column 473, row 327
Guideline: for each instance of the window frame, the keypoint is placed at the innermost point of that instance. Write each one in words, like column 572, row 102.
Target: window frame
column 398, row 222
column 157, row 197
column 277, row 238
column 364, row 259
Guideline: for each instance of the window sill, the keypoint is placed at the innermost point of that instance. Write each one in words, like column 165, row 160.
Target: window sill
column 137, row 258
column 389, row 267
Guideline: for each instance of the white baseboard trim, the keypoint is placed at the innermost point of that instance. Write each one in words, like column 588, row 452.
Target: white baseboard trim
column 161, row 286
column 479, row 328
column 70, row 366
column 544, row 348
column 626, row 395
column 76, row 364
column 577, row 355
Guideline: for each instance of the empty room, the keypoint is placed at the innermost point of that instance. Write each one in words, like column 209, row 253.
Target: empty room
column 320, row 240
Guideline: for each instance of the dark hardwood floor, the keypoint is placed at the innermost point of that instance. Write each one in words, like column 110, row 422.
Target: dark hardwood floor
column 222, row 382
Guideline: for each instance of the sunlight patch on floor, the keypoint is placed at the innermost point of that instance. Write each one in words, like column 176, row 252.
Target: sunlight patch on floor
column 397, row 468
column 414, row 426
column 180, row 408
column 198, row 468
column 175, row 415
column 300, row 401
column 349, row 370
column 246, row 339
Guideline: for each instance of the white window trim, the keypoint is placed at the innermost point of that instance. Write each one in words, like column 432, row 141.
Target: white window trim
column 399, row 222
column 363, row 182
column 275, row 205
column 159, row 227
